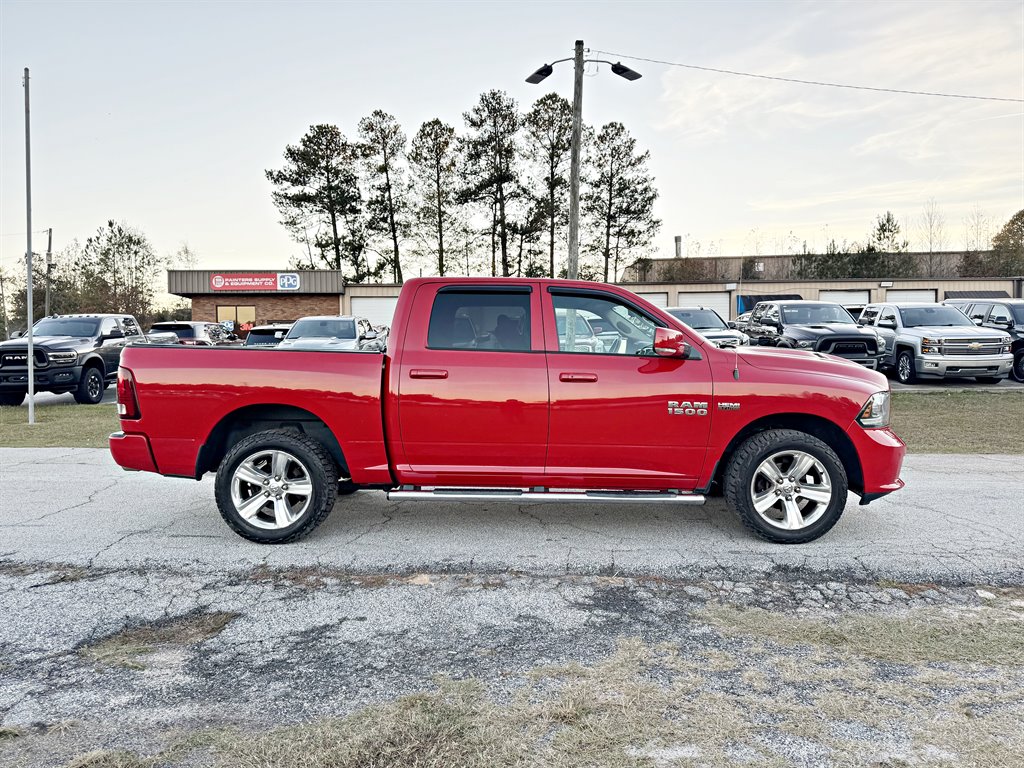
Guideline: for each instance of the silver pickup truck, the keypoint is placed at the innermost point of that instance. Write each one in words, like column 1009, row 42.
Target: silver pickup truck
column 935, row 341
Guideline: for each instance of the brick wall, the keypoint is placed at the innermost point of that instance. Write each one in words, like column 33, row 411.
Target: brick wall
column 268, row 308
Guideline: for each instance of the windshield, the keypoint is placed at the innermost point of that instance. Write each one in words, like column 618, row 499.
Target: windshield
column 181, row 330
column 914, row 317
column 815, row 314
column 263, row 337
column 65, row 326
column 699, row 319
column 1017, row 310
column 323, row 329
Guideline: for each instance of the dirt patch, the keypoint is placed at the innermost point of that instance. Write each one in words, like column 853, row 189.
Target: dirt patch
column 124, row 648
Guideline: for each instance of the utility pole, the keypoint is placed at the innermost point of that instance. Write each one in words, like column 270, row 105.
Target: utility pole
column 28, row 260
column 49, row 266
column 573, row 269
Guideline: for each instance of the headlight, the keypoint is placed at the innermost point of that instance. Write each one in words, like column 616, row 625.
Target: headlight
column 875, row 412
column 744, row 339
column 1006, row 345
column 805, row 344
column 881, row 344
column 63, row 358
column 930, row 346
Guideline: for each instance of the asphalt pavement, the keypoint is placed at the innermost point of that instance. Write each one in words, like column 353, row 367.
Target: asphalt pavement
column 960, row 520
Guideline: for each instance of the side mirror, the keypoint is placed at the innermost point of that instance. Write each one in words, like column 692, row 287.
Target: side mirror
column 17, row 334
column 977, row 320
column 668, row 342
column 890, row 324
column 732, row 324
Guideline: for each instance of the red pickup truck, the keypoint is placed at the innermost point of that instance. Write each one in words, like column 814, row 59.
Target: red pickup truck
column 500, row 389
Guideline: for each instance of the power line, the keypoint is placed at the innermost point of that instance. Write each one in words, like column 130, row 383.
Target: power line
column 814, row 82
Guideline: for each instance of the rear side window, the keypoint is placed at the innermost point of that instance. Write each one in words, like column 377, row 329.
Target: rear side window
column 484, row 320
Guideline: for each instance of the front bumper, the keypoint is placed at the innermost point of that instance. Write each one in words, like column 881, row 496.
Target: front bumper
column 51, row 379
column 881, row 455
column 950, row 367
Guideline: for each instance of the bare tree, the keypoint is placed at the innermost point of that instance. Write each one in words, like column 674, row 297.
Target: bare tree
column 977, row 230
column 932, row 227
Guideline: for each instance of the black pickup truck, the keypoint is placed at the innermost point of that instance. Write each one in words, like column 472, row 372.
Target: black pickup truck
column 73, row 353
column 819, row 326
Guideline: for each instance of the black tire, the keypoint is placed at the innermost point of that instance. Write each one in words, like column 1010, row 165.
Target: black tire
column 312, row 458
column 743, row 475
column 906, row 370
column 12, row 398
column 90, row 387
column 1017, row 373
column 988, row 379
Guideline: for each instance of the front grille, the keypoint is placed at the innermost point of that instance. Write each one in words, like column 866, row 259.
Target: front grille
column 19, row 359
column 986, row 346
column 855, row 347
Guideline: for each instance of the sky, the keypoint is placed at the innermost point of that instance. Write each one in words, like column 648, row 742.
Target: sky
column 165, row 115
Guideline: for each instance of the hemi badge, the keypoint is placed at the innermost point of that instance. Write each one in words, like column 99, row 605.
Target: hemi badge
column 728, row 406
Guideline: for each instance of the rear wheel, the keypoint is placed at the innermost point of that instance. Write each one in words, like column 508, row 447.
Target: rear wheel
column 906, row 370
column 276, row 486
column 90, row 387
column 787, row 486
column 12, row 398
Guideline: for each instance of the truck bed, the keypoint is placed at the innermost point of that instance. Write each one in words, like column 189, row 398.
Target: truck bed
column 187, row 391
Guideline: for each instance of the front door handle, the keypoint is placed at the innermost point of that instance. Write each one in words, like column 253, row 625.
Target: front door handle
column 577, row 377
column 428, row 373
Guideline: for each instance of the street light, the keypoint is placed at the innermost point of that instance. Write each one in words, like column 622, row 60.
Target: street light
column 573, row 269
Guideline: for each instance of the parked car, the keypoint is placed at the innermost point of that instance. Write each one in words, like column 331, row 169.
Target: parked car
column 196, row 333
column 820, row 326
column 267, row 335
column 710, row 324
column 999, row 314
column 935, row 341
column 665, row 419
column 73, row 353
column 331, row 333
column 584, row 338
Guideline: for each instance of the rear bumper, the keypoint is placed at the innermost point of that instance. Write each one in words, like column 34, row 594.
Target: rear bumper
column 132, row 452
column 881, row 455
column 948, row 367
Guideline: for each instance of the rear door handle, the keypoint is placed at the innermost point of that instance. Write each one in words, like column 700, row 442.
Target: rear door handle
column 577, row 377
column 428, row 373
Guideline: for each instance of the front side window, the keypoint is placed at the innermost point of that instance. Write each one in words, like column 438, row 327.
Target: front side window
column 867, row 317
column 625, row 330
column 130, row 328
column 999, row 314
column 888, row 316
column 107, row 326
column 976, row 311
column 483, row 320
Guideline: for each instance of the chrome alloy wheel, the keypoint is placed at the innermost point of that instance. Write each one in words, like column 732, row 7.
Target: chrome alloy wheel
column 271, row 489
column 903, row 368
column 791, row 490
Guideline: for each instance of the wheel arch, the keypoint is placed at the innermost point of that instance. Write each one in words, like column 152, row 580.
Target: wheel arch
column 825, row 430
column 253, row 418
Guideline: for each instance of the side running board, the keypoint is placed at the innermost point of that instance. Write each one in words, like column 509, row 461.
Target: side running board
column 540, row 495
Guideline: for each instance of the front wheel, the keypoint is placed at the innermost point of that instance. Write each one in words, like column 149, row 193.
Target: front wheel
column 90, row 387
column 787, row 486
column 12, row 398
column 1018, row 367
column 906, row 370
column 276, row 486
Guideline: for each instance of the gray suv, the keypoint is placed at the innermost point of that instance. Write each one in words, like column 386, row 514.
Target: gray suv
column 934, row 341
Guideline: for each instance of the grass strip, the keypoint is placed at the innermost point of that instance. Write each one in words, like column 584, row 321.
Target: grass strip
column 58, row 425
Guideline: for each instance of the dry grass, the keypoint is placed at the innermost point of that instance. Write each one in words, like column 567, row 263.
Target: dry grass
column 983, row 637
column 8, row 734
column 106, row 759
column 959, row 422
column 58, row 426
column 124, row 648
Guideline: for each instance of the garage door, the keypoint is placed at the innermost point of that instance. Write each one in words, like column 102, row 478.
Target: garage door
column 379, row 310
column 718, row 301
column 906, row 294
column 657, row 299
column 845, row 297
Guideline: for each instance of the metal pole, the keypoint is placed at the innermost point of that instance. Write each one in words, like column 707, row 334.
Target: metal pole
column 28, row 260
column 573, row 269
column 49, row 264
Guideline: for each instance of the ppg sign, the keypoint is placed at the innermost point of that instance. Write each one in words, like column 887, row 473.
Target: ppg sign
column 287, row 281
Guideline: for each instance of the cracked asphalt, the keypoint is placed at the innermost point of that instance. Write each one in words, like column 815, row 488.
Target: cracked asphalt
column 384, row 596
column 960, row 520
